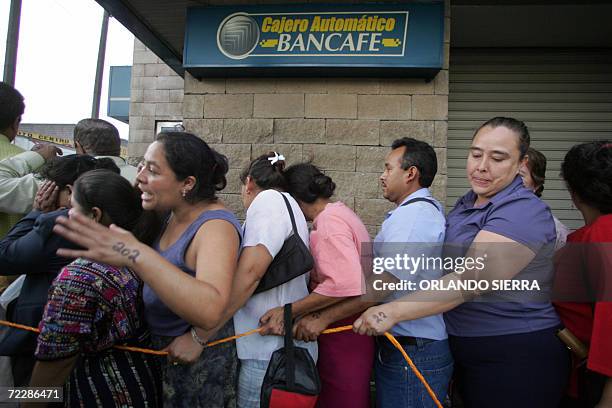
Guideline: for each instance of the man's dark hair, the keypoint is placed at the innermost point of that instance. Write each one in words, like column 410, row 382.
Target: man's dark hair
column 98, row 137
column 517, row 126
column 536, row 164
column 587, row 171
column 11, row 105
column 420, row 155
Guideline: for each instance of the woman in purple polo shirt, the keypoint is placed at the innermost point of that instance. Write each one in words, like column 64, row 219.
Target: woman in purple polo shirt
column 504, row 344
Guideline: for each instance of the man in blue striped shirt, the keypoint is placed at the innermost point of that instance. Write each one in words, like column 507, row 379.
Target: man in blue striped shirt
column 410, row 234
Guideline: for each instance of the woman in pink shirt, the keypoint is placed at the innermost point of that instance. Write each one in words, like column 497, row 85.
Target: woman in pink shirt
column 336, row 242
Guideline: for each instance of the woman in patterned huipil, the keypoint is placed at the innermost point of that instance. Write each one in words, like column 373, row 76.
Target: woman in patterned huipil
column 188, row 273
column 94, row 306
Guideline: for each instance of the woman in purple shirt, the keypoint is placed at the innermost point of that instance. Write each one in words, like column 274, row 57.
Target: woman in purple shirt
column 188, row 273
column 504, row 344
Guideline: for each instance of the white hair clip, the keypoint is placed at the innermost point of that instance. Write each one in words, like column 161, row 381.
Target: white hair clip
column 276, row 158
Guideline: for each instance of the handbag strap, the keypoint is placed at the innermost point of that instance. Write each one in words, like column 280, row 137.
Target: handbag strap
column 289, row 352
column 417, row 199
column 290, row 214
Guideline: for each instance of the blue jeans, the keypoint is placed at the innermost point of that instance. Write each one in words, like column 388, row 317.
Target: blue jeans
column 396, row 384
column 252, row 373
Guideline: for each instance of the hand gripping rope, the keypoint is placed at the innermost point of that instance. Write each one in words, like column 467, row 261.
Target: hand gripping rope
column 392, row 339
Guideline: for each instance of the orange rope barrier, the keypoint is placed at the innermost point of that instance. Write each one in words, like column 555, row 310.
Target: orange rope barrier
column 337, row 329
column 19, row 326
column 415, row 370
column 141, row 350
column 392, row 339
column 225, row 340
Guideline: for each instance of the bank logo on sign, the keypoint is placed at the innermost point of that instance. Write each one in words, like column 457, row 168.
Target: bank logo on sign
column 238, row 36
column 329, row 34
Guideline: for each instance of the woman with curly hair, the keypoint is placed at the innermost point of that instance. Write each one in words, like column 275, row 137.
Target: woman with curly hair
column 189, row 270
column 587, row 171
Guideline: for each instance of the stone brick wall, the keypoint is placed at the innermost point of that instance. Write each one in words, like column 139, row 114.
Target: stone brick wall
column 157, row 94
column 345, row 126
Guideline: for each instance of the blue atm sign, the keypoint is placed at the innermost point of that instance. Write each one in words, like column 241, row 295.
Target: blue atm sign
column 315, row 34
column 334, row 40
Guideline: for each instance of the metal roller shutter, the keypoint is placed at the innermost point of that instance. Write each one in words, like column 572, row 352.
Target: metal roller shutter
column 564, row 97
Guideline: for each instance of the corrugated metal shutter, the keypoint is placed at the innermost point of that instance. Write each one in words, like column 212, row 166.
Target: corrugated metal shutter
column 564, row 96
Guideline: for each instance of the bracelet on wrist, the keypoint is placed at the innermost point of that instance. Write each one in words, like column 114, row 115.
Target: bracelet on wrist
column 196, row 338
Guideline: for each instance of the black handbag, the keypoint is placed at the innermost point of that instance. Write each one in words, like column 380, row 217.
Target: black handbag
column 293, row 259
column 292, row 379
